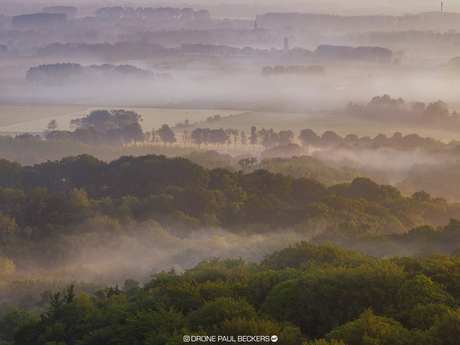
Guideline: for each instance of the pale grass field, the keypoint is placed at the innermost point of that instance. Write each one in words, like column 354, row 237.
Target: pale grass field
column 321, row 122
column 34, row 119
column 18, row 118
column 156, row 117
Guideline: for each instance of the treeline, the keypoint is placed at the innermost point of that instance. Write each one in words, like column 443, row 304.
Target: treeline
column 108, row 52
column 408, row 40
column 306, row 294
column 436, row 179
column 434, row 114
column 160, row 13
column 398, row 141
column 346, row 54
column 330, row 167
column 238, row 37
column 56, row 16
column 64, row 72
column 216, row 50
column 29, row 149
column 109, row 138
column 177, row 191
column 141, row 49
column 268, row 70
column 114, row 127
column 337, row 23
column 285, row 140
column 119, row 127
column 267, row 138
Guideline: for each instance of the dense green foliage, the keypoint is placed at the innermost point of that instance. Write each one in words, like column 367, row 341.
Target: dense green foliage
column 337, row 296
column 76, row 189
column 73, row 200
column 338, row 160
column 143, row 207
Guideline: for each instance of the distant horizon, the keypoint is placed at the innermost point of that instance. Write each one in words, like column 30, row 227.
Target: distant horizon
column 338, row 7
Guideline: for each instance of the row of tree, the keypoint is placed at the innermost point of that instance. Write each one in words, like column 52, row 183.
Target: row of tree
column 435, row 114
column 160, row 13
column 119, row 127
column 65, row 72
column 140, row 50
column 377, row 55
column 340, row 23
column 114, row 127
column 281, row 69
column 268, row 138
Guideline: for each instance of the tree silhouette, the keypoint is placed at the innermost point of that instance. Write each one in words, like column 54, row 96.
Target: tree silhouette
column 52, row 125
column 167, row 135
column 308, row 137
column 186, row 137
column 253, row 138
column 235, row 135
column 133, row 132
column 197, row 137
column 243, row 139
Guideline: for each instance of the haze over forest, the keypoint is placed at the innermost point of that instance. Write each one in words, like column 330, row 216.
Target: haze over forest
column 173, row 170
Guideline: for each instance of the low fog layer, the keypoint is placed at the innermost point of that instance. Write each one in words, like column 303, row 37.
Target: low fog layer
column 109, row 259
column 145, row 253
column 243, row 90
column 393, row 163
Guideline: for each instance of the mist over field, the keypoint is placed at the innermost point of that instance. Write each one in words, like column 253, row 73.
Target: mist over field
column 243, row 89
column 175, row 170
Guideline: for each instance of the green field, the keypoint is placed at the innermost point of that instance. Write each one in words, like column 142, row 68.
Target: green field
column 34, row 119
